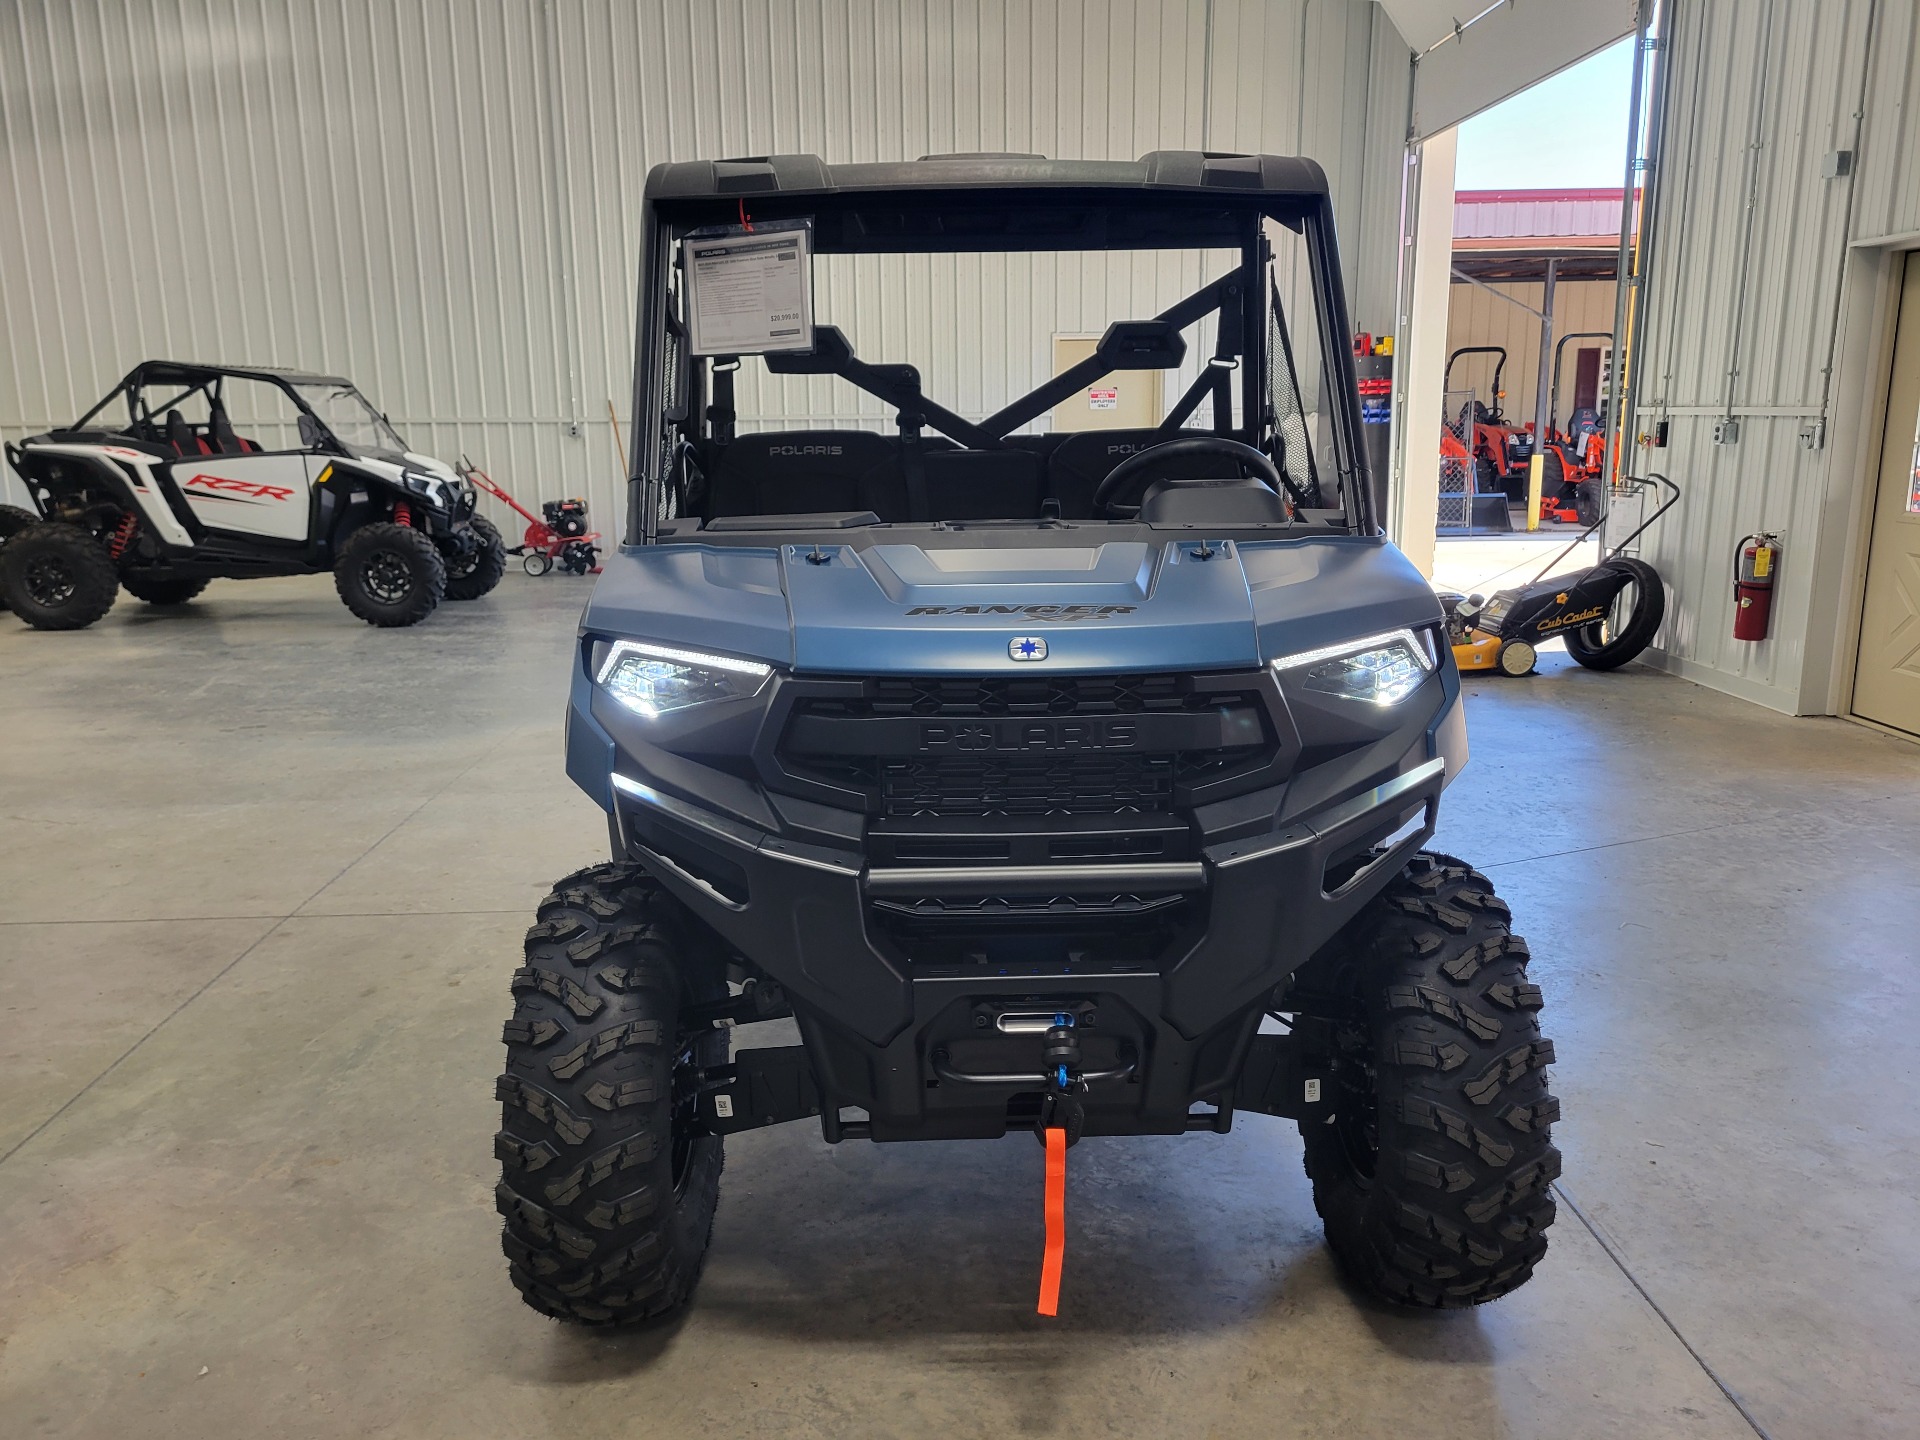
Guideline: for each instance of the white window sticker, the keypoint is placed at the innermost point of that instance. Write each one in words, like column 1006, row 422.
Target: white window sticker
column 723, row 1106
column 750, row 290
column 1313, row 1092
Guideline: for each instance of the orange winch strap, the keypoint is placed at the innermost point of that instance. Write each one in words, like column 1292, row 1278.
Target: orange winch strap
column 1056, row 1221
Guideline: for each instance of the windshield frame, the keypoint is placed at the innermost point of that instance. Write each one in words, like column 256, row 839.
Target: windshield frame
column 1118, row 226
column 306, row 395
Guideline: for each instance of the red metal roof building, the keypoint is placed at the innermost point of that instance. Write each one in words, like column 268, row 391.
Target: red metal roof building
column 1510, row 234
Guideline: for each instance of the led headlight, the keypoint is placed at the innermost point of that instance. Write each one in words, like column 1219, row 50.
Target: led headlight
column 655, row 679
column 429, row 486
column 1384, row 669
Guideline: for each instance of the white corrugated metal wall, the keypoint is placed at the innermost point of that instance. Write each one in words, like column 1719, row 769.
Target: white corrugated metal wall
column 439, row 199
column 1745, row 300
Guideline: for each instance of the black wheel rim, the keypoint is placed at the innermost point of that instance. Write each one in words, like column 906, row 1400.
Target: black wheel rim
column 462, row 566
column 49, row 581
column 387, row 577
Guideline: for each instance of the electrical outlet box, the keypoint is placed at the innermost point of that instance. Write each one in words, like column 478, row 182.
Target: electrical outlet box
column 1838, row 164
column 1726, row 432
column 1813, row 436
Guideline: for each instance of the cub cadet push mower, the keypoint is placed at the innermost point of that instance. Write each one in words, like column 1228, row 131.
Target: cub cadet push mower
column 1607, row 614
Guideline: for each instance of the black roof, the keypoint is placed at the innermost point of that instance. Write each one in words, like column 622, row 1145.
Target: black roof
column 1165, row 171
column 191, row 372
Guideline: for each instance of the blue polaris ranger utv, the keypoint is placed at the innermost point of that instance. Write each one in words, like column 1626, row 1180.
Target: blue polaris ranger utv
column 1054, row 740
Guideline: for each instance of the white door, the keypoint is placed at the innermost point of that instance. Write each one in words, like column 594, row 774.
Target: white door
column 1886, row 686
column 264, row 495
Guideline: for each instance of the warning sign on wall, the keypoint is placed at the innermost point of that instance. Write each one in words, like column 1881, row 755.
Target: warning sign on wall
column 1103, row 399
column 1913, row 481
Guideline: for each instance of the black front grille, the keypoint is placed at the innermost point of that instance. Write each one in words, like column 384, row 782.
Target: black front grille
column 1122, row 784
column 1027, row 756
column 957, row 699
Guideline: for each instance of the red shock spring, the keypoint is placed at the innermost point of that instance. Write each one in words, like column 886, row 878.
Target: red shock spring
column 402, row 513
column 123, row 534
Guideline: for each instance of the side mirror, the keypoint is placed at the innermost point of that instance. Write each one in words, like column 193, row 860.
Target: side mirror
column 1142, row 345
column 309, row 432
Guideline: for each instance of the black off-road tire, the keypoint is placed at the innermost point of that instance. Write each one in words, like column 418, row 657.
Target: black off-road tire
column 1599, row 646
column 1553, row 473
column 161, row 592
column 57, row 577
column 475, row 574
column 390, row 575
column 1587, row 500
column 607, row 1183
column 1432, row 1178
column 13, row 520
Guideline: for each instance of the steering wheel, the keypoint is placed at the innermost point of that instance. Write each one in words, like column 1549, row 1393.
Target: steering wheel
column 1130, row 470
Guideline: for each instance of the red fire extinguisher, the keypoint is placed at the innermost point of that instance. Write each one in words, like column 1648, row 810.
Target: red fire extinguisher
column 1755, row 564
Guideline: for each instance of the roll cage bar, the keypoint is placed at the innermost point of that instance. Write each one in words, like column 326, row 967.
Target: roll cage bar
column 668, row 410
column 206, row 380
column 1495, row 411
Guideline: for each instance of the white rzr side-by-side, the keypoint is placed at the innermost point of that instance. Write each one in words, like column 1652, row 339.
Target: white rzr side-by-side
column 233, row 472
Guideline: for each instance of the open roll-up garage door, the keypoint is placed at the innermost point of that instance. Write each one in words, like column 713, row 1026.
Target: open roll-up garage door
column 1473, row 60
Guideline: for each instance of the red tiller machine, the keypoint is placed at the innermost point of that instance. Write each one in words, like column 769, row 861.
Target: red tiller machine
column 558, row 536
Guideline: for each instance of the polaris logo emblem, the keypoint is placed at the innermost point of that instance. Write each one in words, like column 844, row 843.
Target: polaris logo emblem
column 806, row 449
column 1031, row 736
column 1052, row 614
column 1027, row 647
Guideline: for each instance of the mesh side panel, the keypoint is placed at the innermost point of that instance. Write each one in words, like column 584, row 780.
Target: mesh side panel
column 669, row 493
column 1289, row 412
column 1457, row 487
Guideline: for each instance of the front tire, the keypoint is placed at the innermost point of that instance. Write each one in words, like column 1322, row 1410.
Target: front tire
column 57, row 577
column 608, row 1185
column 161, row 592
column 1432, row 1177
column 390, row 575
column 474, row 574
column 13, row 520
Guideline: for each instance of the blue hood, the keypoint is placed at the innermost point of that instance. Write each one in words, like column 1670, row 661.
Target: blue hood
column 902, row 609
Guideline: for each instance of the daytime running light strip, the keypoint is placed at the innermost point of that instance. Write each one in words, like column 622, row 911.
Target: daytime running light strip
column 623, row 648
column 1351, row 647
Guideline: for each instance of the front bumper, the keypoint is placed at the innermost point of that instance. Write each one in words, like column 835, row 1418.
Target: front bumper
column 919, row 1044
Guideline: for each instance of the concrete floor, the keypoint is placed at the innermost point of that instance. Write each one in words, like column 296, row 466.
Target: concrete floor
column 263, row 873
column 1486, row 563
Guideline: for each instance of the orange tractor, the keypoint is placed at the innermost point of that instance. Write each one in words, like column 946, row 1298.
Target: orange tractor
column 1500, row 450
column 1572, row 460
